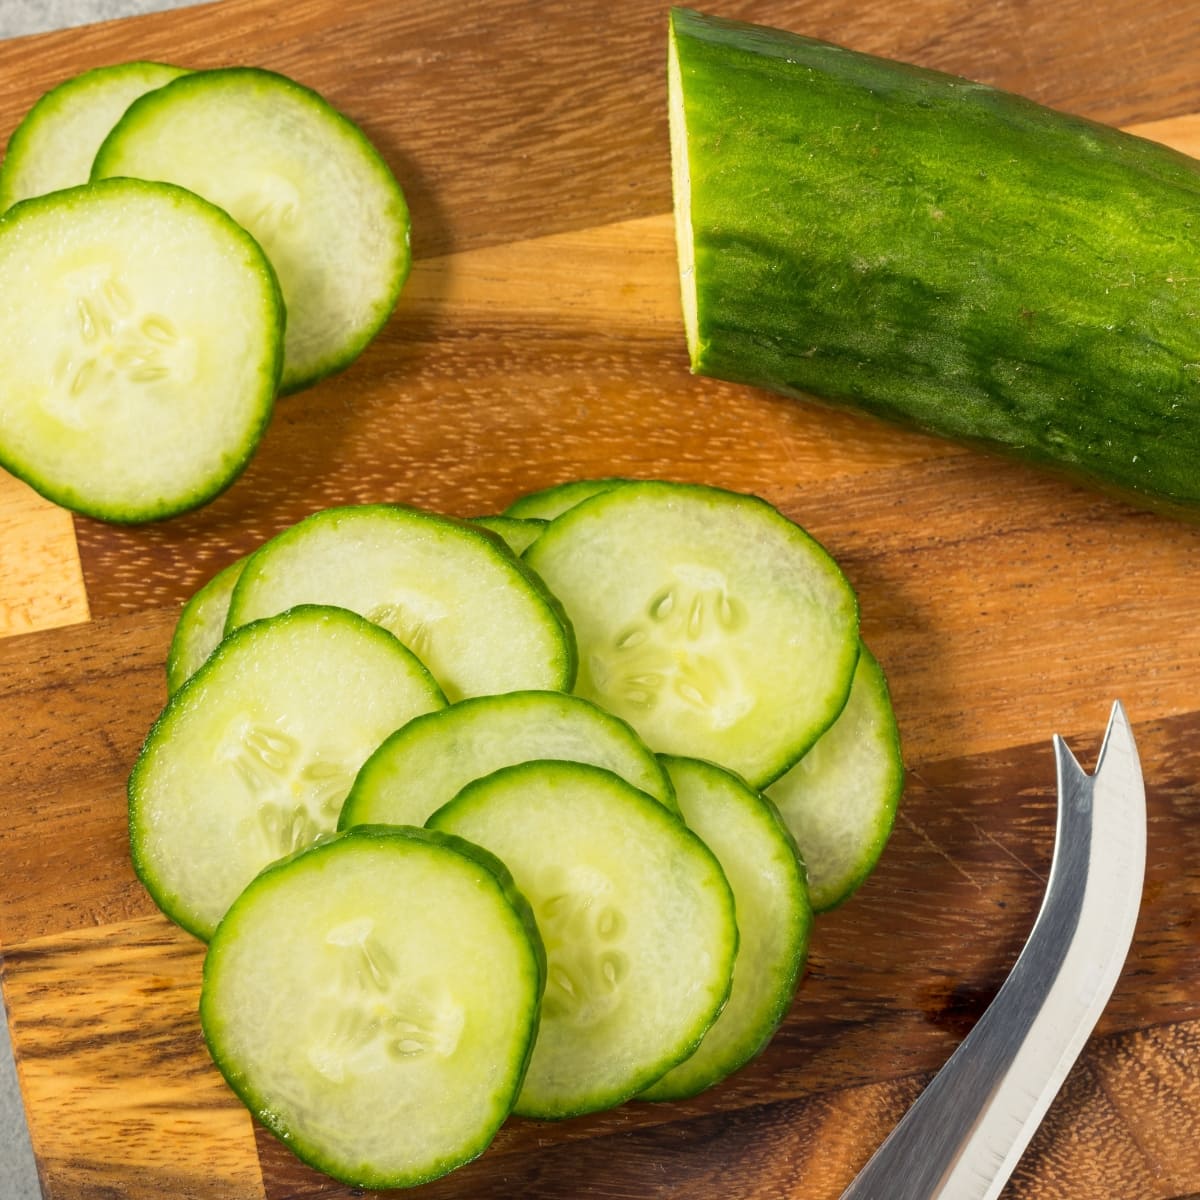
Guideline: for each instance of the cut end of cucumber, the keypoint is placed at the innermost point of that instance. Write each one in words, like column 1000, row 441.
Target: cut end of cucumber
column 682, row 187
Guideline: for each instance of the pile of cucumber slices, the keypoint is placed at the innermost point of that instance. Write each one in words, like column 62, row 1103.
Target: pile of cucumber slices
column 177, row 248
column 527, row 814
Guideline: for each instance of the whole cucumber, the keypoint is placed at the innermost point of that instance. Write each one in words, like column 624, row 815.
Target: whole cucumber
column 939, row 253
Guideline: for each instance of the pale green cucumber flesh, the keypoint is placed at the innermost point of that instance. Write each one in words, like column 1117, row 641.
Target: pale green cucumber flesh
column 939, row 253
column 636, row 918
column 550, row 502
column 373, row 1001
column 706, row 619
column 430, row 760
column 457, row 597
column 55, row 144
column 517, row 533
column 252, row 758
column 840, row 799
column 131, row 392
column 201, row 626
column 302, row 178
column 756, row 852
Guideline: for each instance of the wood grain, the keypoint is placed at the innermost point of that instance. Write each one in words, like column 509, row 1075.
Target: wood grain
column 812, row 1147
column 110, row 1039
column 538, row 340
column 41, row 581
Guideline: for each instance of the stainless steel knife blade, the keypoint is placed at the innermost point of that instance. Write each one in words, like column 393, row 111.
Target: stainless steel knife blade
column 967, row 1130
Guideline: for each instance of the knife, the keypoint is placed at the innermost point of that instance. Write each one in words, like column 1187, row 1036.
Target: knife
column 967, row 1130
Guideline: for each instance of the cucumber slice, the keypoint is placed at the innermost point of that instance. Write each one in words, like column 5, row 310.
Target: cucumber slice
column 201, row 626
column 302, row 178
column 756, row 852
column 252, row 758
column 373, row 1001
column 428, row 762
column 131, row 390
column 635, row 915
column 55, row 144
column 517, row 533
column 710, row 622
column 551, row 502
column 466, row 606
column 840, row 799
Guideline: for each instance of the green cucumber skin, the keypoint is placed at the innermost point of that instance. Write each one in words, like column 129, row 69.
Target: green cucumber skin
column 550, row 502
column 943, row 255
column 695, row 1075
column 182, row 654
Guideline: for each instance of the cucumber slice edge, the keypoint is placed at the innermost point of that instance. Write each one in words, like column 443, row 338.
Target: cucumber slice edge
column 293, row 377
column 475, row 796
column 755, row 810
column 174, row 906
column 131, row 510
column 570, row 524
column 492, row 876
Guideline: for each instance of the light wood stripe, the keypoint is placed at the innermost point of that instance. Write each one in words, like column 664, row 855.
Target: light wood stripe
column 109, row 1048
column 41, row 583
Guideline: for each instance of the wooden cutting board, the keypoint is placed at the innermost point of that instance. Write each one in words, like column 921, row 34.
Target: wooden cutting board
column 539, row 340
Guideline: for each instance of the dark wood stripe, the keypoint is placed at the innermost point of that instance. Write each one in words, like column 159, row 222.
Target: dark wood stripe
column 810, row 1146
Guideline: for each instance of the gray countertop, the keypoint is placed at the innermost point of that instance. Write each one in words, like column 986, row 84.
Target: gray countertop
column 18, row 17
column 18, row 1174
